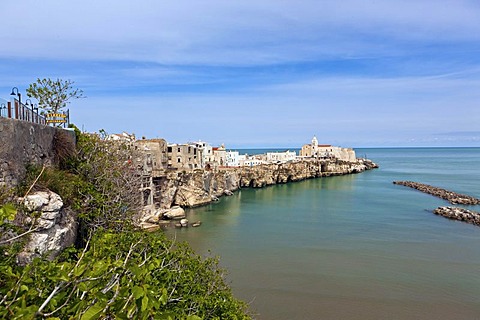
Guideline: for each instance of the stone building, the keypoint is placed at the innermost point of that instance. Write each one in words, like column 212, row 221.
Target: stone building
column 315, row 150
column 154, row 152
column 184, row 156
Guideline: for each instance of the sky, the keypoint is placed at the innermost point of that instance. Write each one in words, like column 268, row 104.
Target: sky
column 262, row 73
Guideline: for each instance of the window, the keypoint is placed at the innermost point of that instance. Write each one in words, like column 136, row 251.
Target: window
column 169, row 149
column 179, row 160
column 178, row 150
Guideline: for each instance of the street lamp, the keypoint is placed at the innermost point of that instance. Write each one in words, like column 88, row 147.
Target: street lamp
column 28, row 102
column 17, row 94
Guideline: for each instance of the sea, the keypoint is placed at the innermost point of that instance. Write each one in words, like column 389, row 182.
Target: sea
column 351, row 247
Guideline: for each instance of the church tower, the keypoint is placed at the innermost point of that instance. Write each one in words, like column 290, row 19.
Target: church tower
column 314, row 146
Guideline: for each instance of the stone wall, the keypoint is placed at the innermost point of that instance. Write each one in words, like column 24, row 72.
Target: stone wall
column 23, row 143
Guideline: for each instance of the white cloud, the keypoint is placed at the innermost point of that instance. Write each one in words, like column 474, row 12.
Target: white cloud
column 226, row 32
column 352, row 70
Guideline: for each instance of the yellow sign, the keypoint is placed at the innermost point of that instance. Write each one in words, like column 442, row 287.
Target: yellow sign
column 56, row 115
column 53, row 118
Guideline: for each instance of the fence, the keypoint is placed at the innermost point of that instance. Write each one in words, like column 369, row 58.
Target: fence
column 17, row 110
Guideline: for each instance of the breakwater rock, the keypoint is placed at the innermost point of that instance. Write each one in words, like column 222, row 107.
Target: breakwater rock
column 459, row 214
column 450, row 196
column 200, row 187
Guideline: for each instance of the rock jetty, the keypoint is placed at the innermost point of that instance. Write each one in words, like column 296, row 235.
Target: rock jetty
column 450, row 196
column 459, row 214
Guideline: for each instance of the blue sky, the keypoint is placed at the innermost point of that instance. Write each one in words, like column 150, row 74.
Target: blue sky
column 257, row 73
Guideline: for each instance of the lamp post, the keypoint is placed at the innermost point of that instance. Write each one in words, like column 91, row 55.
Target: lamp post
column 17, row 93
column 35, row 111
column 29, row 103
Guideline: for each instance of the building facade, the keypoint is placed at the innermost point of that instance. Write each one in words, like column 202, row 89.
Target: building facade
column 184, row 156
column 315, row 150
column 232, row 159
column 154, row 155
column 284, row 156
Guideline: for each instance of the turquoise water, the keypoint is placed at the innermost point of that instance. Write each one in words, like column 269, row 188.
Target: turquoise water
column 351, row 247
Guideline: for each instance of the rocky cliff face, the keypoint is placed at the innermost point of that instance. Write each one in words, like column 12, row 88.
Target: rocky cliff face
column 54, row 227
column 199, row 187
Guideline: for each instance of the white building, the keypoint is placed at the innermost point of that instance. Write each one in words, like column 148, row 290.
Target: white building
column 281, row 156
column 124, row 137
column 232, row 159
column 220, row 155
column 251, row 162
column 207, row 152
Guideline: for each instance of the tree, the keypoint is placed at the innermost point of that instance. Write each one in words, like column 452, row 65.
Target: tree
column 53, row 95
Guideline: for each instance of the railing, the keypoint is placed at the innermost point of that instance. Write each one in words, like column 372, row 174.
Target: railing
column 18, row 110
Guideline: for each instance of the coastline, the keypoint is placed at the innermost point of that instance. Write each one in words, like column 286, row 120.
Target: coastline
column 188, row 189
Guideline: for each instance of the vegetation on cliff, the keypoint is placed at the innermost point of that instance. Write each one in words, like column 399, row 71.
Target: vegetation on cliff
column 115, row 271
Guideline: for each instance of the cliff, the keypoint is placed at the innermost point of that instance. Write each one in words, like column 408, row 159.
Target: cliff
column 200, row 187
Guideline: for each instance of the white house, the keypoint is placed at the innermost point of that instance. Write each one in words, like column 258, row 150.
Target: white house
column 207, row 152
column 251, row 162
column 232, row 159
column 281, row 156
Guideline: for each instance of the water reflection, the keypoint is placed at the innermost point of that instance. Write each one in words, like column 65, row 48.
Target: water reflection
column 349, row 247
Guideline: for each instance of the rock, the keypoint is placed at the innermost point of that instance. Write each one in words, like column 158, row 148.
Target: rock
column 184, row 222
column 153, row 217
column 197, row 224
column 174, row 213
column 48, row 204
column 228, row 193
column 459, row 214
column 44, row 201
column 452, row 197
column 150, row 227
column 52, row 238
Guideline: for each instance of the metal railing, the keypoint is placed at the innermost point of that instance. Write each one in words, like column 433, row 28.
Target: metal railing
column 20, row 111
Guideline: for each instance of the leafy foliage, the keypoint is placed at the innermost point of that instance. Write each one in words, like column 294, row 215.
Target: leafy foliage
column 131, row 275
column 53, row 95
column 99, row 182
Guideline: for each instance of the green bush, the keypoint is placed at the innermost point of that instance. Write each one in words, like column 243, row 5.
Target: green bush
column 131, row 275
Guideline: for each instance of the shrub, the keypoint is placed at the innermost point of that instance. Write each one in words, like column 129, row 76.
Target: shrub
column 131, row 275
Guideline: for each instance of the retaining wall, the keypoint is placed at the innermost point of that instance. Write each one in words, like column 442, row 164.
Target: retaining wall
column 23, row 143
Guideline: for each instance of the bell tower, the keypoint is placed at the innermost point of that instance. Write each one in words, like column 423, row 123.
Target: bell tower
column 314, row 146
